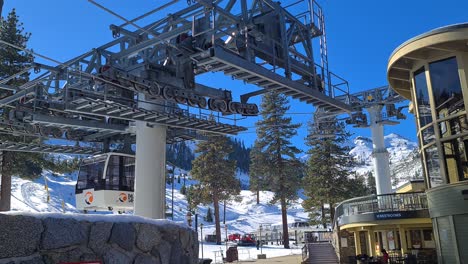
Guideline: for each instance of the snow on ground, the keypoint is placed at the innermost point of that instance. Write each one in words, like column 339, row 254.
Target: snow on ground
column 31, row 196
column 214, row 251
column 242, row 216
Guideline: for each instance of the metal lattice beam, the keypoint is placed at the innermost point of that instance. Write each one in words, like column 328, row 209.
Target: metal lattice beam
column 41, row 148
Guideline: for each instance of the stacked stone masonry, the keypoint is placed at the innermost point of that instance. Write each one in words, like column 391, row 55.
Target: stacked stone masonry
column 30, row 239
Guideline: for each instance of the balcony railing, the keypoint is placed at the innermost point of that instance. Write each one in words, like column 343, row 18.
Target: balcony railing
column 395, row 202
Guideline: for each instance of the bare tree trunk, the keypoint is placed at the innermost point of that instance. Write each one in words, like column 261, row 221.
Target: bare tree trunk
column 324, row 220
column 284, row 217
column 224, row 213
column 258, row 196
column 5, row 190
column 332, row 214
column 217, row 224
column 5, row 197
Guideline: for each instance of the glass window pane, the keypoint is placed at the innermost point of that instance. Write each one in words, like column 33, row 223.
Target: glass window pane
column 428, row 135
column 415, row 237
column 112, row 177
column 446, row 87
column 422, row 97
column 452, row 161
column 433, row 168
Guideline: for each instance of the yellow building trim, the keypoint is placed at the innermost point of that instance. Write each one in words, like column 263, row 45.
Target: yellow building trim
column 417, row 222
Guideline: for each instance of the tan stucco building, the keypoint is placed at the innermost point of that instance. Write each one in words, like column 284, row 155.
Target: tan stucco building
column 431, row 70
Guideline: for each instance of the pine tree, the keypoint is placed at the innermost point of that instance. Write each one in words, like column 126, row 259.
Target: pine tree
column 328, row 168
column 25, row 165
column 257, row 170
column 278, row 159
column 216, row 176
column 12, row 62
column 209, row 215
column 240, row 154
column 372, row 189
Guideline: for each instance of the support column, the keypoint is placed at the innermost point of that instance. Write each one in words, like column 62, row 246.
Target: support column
column 150, row 168
column 379, row 152
column 404, row 246
column 371, row 241
column 357, row 242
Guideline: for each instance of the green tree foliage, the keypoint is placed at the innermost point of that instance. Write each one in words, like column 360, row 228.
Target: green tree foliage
column 327, row 179
column 276, row 154
column 13, row 61
column 180, row 155
column 257, row 170
column 240, row 154
column 61, row 165
column 209, row 215
column 25, row 165
column 216, row 175
column 372, row 189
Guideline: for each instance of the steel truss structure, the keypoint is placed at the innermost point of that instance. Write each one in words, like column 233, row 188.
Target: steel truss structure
column 324, row 124
column 97, row 96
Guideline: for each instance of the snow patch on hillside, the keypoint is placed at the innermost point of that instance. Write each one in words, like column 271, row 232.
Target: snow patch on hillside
column 404, row 158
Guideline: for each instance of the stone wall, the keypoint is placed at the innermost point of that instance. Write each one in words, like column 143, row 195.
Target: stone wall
column 58, row 238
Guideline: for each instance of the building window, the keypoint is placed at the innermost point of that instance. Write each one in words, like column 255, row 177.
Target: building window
column 433, row 169
column 415, row 237
column 428, row 135
column 422, row 97
column 455, row 155
column 446, row 87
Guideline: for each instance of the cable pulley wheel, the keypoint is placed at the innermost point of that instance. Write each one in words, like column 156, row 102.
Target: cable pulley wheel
column 167, row 93
column 192, row 102
column 211, row 105
column 202, row 102
column 181, row 100
column 154, row 90
column 222, row 105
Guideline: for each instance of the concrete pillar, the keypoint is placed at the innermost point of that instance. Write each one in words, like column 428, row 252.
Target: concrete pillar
column 150, row 168
column 379, row 152
column 371, row 241
column 357, row 242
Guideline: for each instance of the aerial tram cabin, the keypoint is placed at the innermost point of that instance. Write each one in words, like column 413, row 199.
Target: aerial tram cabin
column 106, row 183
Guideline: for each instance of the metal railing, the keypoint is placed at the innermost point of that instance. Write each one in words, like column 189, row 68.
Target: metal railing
column 382, row 203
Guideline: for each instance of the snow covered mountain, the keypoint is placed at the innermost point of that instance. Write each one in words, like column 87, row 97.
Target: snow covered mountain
column 405, row 163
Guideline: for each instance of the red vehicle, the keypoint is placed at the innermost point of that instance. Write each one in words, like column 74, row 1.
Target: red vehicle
column 234, row 237
column 247, row 240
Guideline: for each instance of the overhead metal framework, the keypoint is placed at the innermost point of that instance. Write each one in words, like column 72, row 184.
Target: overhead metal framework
column 46, row 148
column 382, row 97
column 96, row 96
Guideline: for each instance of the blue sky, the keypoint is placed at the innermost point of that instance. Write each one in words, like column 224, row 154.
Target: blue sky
column 361, row 36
